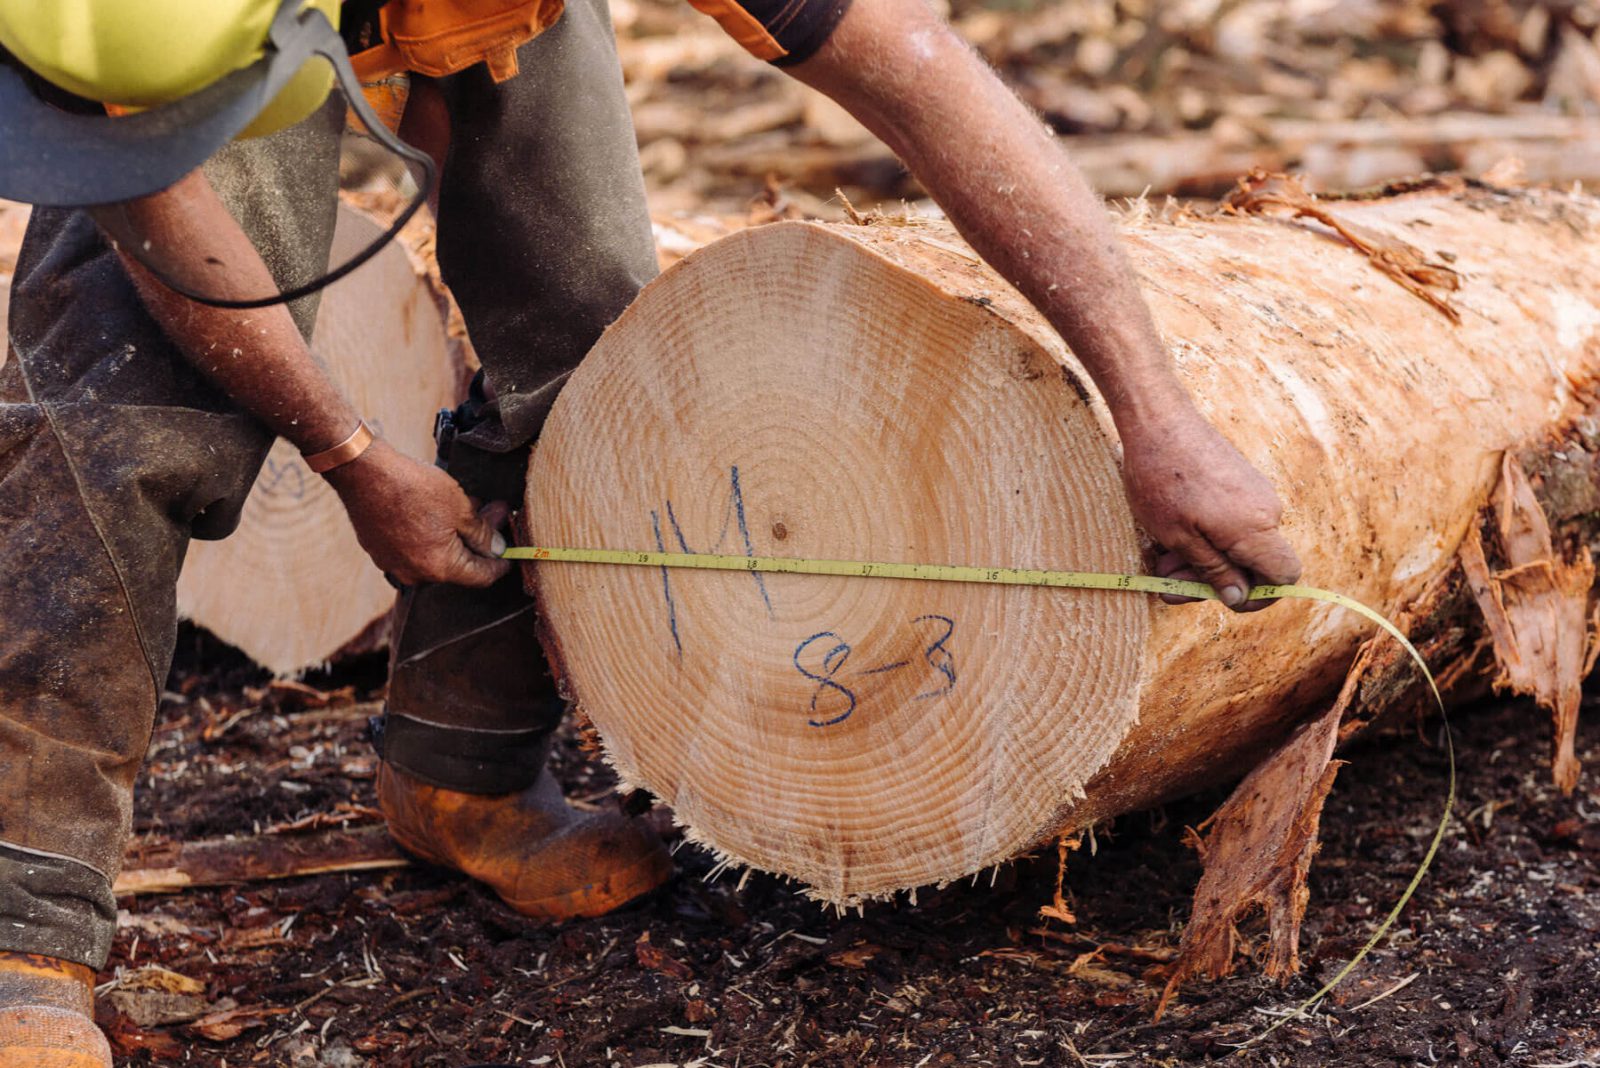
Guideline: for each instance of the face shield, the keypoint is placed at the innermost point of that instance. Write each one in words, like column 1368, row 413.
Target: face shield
column 52, row 155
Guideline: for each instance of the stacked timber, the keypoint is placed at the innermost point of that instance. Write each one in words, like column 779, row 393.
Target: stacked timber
column 1151, row 97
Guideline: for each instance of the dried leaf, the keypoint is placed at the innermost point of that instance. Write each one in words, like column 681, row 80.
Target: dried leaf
column 155, row 978
column 128, row 1040
column 854, row 957
column 230, row 1024
column 252, row 938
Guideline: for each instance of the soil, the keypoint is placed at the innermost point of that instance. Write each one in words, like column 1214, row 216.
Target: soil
column 1496, row 961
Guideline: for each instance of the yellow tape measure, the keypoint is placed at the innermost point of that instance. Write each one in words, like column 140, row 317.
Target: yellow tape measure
column 1073, row 580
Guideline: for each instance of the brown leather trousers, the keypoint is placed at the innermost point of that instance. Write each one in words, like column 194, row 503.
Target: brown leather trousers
column 114, row 452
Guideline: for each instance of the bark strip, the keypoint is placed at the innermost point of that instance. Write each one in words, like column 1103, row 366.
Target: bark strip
column 1257, row 854
column 172, row 867
column 1536, row 610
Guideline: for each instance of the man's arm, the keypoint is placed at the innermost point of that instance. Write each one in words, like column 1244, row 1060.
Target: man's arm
column 1019, row 201
column 410, row 517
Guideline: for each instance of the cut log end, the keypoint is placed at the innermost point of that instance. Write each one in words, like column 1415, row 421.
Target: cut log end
column 889, row 734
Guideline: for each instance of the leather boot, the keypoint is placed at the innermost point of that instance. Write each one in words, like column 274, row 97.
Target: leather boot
column 47, row 1014
column 542, row 857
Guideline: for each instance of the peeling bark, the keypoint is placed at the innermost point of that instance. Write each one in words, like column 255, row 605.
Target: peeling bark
column 1528, row 609
column 1536, row 610
column 1261, row 193
column 1258, row 853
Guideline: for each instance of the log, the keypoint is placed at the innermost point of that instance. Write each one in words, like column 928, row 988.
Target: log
column 876, row 393
column 1339, row 155
column 291, row 587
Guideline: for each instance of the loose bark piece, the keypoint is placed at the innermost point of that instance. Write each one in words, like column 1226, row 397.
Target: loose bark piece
column 1260, row 193
column 1537, row 612
column 875, row 392
column 154, row 996
column 1257, row 855
column 229, row 1024
column 170, row 867
column 291, row 587
column 1263, row 838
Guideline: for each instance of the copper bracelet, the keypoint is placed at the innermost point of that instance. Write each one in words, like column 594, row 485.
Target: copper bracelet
column 342, row 453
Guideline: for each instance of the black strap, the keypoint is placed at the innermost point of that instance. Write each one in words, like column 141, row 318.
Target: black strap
column 454, row 758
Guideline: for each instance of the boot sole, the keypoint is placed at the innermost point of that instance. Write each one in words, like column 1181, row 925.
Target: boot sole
column 598, row 898
column 586, row 902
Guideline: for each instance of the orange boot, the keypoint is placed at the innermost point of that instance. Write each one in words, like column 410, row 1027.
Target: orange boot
column 543, row 858
column 47, row 1014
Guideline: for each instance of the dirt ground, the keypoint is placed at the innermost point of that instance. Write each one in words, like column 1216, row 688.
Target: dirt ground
column 1496, row 962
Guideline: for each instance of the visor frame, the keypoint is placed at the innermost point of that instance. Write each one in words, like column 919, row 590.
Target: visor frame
column 65, row 159
column 72, row 160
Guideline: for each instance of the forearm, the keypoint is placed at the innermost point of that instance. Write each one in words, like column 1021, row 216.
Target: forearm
column 1007, row 186
column 257, row 356
column 413, row 520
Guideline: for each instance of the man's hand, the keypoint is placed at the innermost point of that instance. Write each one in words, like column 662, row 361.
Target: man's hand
column 1200, row 499
column 416, row 523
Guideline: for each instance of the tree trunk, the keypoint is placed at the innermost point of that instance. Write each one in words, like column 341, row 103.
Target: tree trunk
column 876, row 393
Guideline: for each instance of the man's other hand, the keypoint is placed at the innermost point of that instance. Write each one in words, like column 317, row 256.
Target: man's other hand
column 416, row 523
column 1203, row 502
